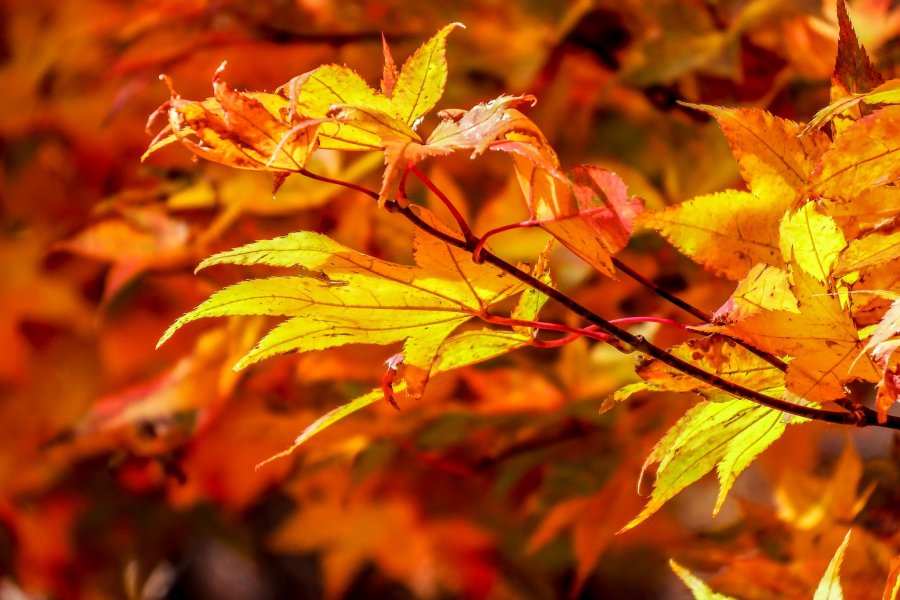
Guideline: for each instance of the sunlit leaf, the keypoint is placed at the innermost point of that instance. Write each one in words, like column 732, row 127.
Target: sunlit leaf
column 728, row 232
column 874, row 249
column 725, row 433
column 774, row 161
column 821, row 336
column 422, row 78
column 866, row 154
column 698, row 588
column 829, row 587
column 812, row 240
column 345, row 297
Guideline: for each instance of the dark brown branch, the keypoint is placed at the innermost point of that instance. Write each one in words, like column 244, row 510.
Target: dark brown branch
column 861, row 417
column 693, row 310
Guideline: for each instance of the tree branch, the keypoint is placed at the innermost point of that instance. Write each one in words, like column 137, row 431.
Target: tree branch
column 629, row 342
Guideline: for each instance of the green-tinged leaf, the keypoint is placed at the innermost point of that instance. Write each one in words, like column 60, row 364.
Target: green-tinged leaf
column 725, row 436
column 422, row 78
column 379, row 124
column 532, row 301
column 345, row 297
column 829, row 587
column 812, row 240
column 886, row 93
column 327, row 420
column 865, row 154
column 456, row 351
column 728, row 232
column 874, row 249
column 314, row 93
column 698, row 588
column 774, row 161
column 725, row 433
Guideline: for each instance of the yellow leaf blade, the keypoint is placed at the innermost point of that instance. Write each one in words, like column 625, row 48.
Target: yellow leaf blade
column 728, row 232
column 773, row 160
column 698, row 588
column 829, row 587
column 811, row 240
column 422, row 78
column 874, row 249
column 865, row 154
column 725, row 435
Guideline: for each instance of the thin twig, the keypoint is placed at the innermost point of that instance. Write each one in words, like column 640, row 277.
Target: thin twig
column 693, row 310
column 476, row 253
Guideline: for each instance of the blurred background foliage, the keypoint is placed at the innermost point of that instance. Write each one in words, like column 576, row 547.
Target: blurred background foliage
column 127, row 472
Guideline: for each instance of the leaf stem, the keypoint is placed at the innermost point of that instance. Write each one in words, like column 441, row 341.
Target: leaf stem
column 457, row 216
column 476, row 253
column 626, row 341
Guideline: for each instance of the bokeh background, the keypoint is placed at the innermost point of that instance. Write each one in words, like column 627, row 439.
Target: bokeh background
column 128, row 472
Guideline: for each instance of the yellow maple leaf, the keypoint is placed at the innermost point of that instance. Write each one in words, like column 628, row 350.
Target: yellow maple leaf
column 774, row 161
column 728, row 232
column 345, row 297
column 865, row 154
column 820, row 336
column 811, row 240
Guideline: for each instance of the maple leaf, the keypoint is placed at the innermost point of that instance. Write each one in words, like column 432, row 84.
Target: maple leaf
column 865, row 154
column 454, row 352
column 731, row 231
column 247, row 130
column 723, row 433
column 868, row 251
column 811, row 240
column 764, row 288
column 774, row 160
column 345, row 297
column 588, row 210
column 819, row 334
column 698, row 588
column 728, row 232
column 368, row 114
column 829, row 587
